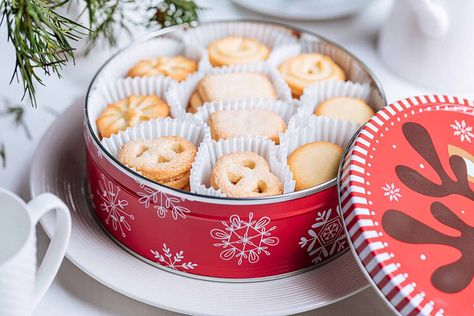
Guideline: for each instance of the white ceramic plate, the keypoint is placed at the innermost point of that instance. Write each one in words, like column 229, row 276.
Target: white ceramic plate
column 59, row 167
column 304, row 10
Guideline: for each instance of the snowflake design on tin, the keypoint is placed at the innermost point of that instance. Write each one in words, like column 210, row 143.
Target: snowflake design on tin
column 162, row 202
column 114, row 206
column 326, row 237
column 392, row 192
column 167, row 259
column 245, row 239
column 462, row 130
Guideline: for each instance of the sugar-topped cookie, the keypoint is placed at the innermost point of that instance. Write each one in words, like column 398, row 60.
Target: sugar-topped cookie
column 166, row 160
column 255, row 122
column 245, row 174
column 231, row 86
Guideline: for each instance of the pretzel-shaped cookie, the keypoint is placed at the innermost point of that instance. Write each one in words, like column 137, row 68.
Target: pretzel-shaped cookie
column 245, row 174
column 163, row 159
column 177, row 67
column 236, row 50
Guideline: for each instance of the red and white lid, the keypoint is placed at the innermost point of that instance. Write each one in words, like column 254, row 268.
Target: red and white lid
column 407, row 198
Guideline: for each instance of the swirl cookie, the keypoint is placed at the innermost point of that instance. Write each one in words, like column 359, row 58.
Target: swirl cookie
column 177, row 67
column 126, row 113
column 232, row 123
column 302, row 70
column 236, row 50
column 225, row 87
column 314, row 163
column 344, row 108
column 166, row 160
column 245, row 174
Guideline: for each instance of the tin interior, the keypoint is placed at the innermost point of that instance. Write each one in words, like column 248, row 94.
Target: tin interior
column 374, row 82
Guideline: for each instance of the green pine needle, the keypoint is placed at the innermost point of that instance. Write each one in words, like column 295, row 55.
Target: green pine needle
column 41, row 38
column 104, row 17
column 173, row 12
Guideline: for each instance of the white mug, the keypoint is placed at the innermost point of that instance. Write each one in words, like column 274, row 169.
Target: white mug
column 21, row 285
column 429, row 42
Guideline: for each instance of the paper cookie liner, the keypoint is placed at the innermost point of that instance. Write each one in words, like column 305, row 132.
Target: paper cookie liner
column 188, row 128
column 286, row 109
column 271, row 35
column 156, row 47
column 318, row 92
column 318, row 129
column 211, row 151
column 105, row 94
column 178, row 95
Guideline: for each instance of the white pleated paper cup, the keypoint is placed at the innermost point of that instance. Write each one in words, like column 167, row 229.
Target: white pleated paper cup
column 317, row 129
column 318, row 92
column 178, row 95
column 271, row 35
column 188, row 128
column 119, row 66
column 285, row 109
column 117, row 90
column 211, row 151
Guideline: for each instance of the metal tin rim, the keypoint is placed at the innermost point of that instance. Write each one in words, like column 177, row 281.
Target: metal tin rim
column 200, row 197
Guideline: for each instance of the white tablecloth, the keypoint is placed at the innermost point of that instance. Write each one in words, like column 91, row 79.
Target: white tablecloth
column 75, row 293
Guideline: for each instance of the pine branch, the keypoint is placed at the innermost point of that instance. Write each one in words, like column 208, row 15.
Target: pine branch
column 40, row 37
column 104, row 17
column 173, row 12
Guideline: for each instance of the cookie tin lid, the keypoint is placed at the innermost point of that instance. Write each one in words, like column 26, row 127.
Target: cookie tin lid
column 406, row 188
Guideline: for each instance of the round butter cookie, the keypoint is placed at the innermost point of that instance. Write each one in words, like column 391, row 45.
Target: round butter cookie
column 314, row 163
column 177, row 67
column 236, row 50
column 126, row 113
column 302, row 70
column 345, row 108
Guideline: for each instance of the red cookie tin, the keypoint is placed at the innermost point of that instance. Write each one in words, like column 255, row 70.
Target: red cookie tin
column 407, row 199
column 212, row 237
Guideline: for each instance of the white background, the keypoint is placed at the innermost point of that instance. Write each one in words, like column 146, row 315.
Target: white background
column 75, row 293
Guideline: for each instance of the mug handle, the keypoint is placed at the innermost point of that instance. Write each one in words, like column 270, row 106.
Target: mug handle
column 59, row 241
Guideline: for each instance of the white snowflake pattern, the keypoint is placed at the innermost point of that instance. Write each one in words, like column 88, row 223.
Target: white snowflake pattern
column 114, row 206
column 162, row 202
column 245, row 239
column 326, row 237
column 462, row 130
column 175, row 262
column 392, row 192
